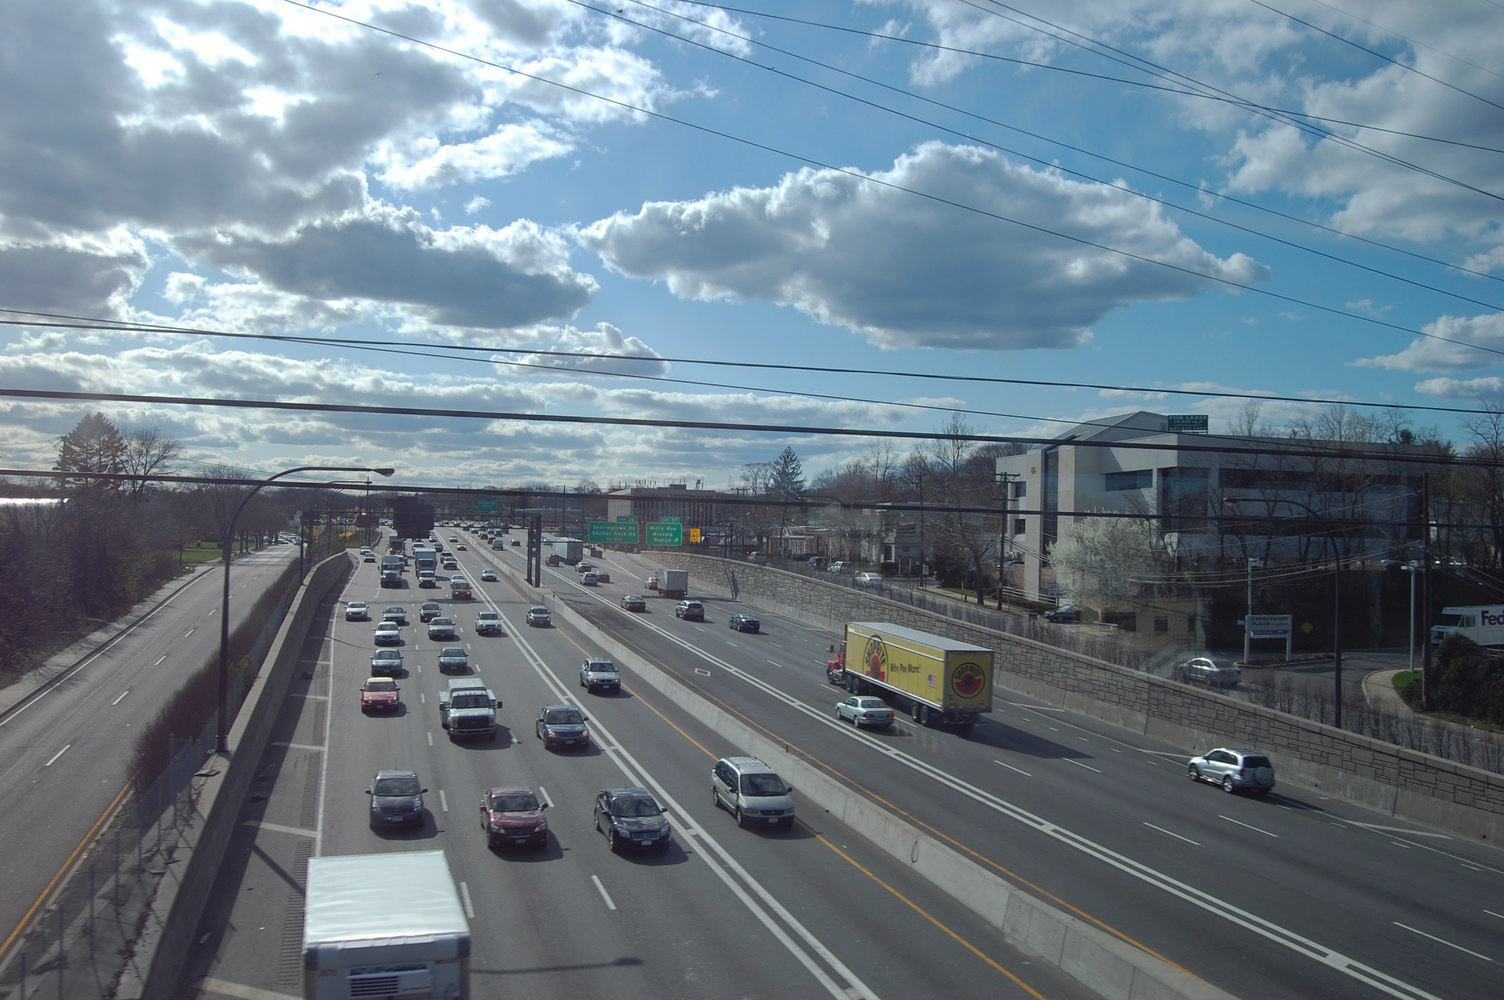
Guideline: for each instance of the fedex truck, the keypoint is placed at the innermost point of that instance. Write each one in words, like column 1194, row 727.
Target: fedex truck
column 935, row 679
column 1483, row 624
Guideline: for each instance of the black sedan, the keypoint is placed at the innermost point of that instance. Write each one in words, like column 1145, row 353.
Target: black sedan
column 744, row 623
column 631, row 817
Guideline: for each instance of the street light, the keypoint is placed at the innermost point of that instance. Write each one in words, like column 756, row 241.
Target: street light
column 1412, row 569
column 221, row 742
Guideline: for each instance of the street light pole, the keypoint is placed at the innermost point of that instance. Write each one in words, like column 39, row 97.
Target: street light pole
column 221, row 741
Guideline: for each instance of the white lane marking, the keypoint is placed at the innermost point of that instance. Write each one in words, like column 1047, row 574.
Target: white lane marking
column 1079, row 764
column 1170, row 833
column 55, row 756
column 465, row 894
column 1433, row 937
column 158, row 660
column 1247, row 826
column 121, row 698
column 1010, row 767
column 604, row 894
column 443, row 801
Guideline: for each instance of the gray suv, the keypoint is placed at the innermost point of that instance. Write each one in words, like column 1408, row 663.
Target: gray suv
column 752, row 792
column 1234, row 770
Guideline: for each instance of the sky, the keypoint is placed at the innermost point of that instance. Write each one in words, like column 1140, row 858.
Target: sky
column 542, row 223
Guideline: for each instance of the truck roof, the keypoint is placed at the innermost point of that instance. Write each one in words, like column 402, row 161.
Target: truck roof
column 914, row 635
column 381, row 897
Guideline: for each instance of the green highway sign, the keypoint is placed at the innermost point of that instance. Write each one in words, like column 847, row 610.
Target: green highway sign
column 665, row 533
column 486, row 505
column 613, row 533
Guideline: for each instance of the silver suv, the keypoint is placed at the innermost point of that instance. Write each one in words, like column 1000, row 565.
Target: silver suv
column 752, row 792
column 1234, row 770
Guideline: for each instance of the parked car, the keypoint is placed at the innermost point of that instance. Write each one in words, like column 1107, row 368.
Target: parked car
column 744, row 623
column 380, row 694
column 489, row 623
column 357, row 611
column 865, row 710
column 387, row 663
column 488, row 575
column 386, row 633
column 690, row 611
column 634, row 602
column 840, row 566
column 1066, row 613
column 869, row 579
column 429, row 611
column 453, row 660
column 631, row 818
column 512, row 814
column 1234, row 770
column 1213, row 673
column 751, row 791
column 561, row 726
column 537, row 615
column 396, row 799
column 600, row 674
column 441, row 628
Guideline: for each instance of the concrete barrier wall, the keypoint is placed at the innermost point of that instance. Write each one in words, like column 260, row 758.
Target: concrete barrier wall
column 1465, row 800
column 162, row 949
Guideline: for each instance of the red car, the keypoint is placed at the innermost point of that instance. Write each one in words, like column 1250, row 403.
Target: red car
column 512, row 815
column 380, row 694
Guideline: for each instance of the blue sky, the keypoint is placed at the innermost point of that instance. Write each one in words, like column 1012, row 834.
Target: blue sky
column 1218, row 195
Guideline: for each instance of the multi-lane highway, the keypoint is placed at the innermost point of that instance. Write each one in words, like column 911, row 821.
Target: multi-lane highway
column 66, row 754
column 1296, row 895
column 725, row 912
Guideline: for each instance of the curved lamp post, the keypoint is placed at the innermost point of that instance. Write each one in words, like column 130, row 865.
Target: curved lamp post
column 221, row 741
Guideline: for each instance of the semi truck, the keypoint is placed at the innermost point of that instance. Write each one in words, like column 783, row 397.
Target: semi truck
column 1483, row 624
column 569, row 550
column 384, row 925
column 935, row 679
column 391, row 570
column 673, row 583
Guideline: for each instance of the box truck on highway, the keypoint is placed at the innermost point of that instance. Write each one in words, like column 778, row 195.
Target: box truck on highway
column 384, row 925
column 933, row 678
column 673, row 583
column 569, row 550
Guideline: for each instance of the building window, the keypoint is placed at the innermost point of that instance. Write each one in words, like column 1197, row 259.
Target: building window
column 1138, row 479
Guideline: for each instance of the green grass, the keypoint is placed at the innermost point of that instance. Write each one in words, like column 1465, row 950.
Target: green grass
column 200, row 552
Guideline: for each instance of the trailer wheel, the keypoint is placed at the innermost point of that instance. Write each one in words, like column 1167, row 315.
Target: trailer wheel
column 921, row 714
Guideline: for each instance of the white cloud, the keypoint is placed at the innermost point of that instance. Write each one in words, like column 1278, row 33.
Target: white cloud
column 907, row 271
column 1453, row 342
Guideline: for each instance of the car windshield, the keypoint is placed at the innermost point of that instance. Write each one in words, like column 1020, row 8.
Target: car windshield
column 1254, row 760
column 635, row 807
column 563, row 717
column 513, row 802
column 382, row 685
column 452, row 651
column 869, row 703
column 401, row 785
column 763, row 784
column 601, row 667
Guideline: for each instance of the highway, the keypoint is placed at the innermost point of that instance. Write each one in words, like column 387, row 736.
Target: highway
column 725, row 912
column 66, row 755
column 1295, row 895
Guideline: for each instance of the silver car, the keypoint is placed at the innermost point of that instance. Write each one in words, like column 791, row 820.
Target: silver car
column 1233, row 770
column 1213, row 673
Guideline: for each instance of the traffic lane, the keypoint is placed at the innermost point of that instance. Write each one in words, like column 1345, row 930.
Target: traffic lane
column 68, row 752
column 1184, row 925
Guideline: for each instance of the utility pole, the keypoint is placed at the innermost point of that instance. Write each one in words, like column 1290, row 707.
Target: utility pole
column 1005, row 479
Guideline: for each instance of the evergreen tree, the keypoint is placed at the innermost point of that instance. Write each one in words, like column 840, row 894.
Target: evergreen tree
column 786, row 477
column 94, row 446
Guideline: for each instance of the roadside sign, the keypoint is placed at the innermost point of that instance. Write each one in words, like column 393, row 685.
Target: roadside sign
column 487, row 505
column 613, row 533
column 665, row 533
column 1269, row 626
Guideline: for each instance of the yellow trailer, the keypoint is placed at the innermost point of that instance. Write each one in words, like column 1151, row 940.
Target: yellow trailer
column 934, row 678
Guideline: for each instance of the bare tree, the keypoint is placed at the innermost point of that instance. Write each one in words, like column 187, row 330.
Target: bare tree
column 147, row 455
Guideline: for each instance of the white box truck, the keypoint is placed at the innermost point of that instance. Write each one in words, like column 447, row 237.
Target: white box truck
column 384, row 925
column 673, row 583
column 1484, row 624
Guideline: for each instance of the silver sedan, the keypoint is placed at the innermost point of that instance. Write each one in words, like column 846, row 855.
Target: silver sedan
column 865, row 710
